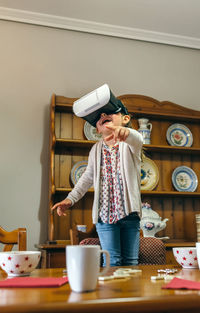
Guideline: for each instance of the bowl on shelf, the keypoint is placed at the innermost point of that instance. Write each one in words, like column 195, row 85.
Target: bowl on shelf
column 186, row 256
column 19, row 263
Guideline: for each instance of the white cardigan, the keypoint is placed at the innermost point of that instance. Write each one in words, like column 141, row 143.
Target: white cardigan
column 130, row 166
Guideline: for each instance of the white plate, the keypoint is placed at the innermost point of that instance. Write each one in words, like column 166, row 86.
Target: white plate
column 179, row 135
column 184, row 179
column 77, row 170
column 91, row 132
column 149, row 174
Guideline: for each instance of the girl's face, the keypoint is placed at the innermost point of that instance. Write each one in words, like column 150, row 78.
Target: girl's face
column 116, row 119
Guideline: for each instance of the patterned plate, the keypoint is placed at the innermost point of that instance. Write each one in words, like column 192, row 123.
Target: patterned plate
column 91, row 132
column 77, row 170
column 179, row 135
column 184, row 179
column 149, row 174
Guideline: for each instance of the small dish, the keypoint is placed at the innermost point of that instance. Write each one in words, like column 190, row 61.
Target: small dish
column 77, row 170
column 184, row 179
column 91, row 132
column 179, row 135
column 149, row 174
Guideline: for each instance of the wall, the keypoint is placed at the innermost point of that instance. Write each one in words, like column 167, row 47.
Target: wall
column 38, row 61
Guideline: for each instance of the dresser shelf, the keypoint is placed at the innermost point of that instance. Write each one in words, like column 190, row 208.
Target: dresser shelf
column 151, row 193
column 76, row 143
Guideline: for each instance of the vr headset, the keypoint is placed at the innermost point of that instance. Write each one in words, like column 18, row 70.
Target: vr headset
column 101, row 100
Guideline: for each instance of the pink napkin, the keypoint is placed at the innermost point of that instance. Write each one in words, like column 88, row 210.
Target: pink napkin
column 24, row 282
column 179, row 283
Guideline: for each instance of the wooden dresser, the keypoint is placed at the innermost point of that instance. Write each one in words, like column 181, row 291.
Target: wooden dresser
column 68, row 145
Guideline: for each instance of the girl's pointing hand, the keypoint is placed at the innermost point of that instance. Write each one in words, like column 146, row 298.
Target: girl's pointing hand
column 119, row 133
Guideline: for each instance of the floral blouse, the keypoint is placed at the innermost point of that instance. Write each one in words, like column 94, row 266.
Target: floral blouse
column 111, row 200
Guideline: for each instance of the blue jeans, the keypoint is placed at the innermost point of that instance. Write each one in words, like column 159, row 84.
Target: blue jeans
column 121, row 240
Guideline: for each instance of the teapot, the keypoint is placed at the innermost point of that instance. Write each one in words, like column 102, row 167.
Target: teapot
column 151, row 222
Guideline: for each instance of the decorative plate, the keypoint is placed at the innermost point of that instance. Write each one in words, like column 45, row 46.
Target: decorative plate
column 77, row 170
column 91, row 132
column 149, row 174
column 184, row 179
column 179, row 135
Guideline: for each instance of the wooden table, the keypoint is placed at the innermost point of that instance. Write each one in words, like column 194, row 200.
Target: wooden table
column 135, row 294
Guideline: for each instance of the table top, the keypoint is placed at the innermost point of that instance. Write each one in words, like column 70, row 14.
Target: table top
column 61, row 244
column 135, row 294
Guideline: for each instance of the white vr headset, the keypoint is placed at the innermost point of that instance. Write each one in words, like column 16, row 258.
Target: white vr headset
column 101, row 100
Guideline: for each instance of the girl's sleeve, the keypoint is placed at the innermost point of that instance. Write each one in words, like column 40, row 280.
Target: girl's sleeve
column 135, row 141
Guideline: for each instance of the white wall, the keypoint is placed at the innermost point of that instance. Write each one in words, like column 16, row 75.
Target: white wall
column 38, row 61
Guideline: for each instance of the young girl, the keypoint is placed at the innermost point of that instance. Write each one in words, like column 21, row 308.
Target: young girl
column 114, row 169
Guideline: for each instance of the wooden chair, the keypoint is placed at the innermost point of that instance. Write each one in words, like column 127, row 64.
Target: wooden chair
column 152, row 250
column 14, row 237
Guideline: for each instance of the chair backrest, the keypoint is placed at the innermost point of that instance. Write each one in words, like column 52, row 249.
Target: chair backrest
column 14, row 237
column 152, row 250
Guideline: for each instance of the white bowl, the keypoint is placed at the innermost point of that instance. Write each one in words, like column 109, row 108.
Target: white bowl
column 19, row 263
column 186, row 256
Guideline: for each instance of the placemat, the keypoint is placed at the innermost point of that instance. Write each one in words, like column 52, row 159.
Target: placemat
column 25, row 282
column 179, row 283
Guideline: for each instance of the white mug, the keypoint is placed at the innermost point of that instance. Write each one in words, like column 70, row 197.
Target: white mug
column 83, row 266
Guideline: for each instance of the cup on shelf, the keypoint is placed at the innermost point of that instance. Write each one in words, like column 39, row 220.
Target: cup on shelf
column 82, row 228
column 83, row 266
column 197, row 216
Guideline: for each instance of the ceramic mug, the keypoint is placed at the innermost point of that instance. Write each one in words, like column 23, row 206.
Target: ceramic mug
column 83, row 266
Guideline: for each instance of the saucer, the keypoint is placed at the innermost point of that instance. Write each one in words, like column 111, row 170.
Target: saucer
column 184, row 179
column 149, row 174
column 77, row 170
column 179, row 135
column 91, row 132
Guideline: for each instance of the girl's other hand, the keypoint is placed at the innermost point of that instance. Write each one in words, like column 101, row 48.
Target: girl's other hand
column 119, row 133
column 62, row 207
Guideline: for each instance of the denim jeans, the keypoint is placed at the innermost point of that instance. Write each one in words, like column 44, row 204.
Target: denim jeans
column 121, row 240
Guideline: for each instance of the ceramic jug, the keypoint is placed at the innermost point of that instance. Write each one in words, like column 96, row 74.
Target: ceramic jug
column 145, row 130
